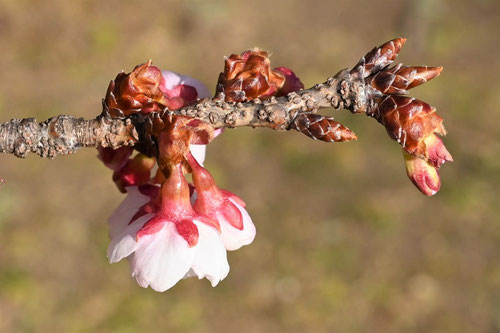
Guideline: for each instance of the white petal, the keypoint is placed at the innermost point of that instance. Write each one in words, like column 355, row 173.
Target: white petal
column 232, row 237
column 171, row 79
column 123, row 213
column 211, row 257
column 198, row 152
column 201, row 89
column 162, row 259
column 125, row 243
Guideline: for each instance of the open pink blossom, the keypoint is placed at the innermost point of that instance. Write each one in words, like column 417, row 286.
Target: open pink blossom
column 171, row 244
column 237, row 228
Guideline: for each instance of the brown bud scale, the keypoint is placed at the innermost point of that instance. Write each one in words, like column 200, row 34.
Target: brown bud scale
column 398, row 79
column 378, row 58
column 319, row 127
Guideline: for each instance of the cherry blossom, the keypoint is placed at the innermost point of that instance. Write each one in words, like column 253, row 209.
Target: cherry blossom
column 173, row 243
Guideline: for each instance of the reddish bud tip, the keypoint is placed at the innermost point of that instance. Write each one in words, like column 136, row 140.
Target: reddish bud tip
column 292, row 82
column 179, row 96
column 378, row 58
column 398, row 43
column 114, row 159
column 437, row 153
column 422, row 174
column 135, row 172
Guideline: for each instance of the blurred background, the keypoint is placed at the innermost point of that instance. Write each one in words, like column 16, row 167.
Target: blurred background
column 345, row 243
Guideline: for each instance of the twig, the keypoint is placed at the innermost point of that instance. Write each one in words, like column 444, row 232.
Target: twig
column 62, row 135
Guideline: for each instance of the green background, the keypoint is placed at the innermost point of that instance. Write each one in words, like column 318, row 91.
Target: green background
column 345, row 243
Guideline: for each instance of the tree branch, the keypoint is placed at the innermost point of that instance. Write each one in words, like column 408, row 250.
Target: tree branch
column 341, row 91
column 62, row 135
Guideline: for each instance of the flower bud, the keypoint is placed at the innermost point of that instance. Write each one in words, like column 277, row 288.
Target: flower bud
column 436, row 152
column 398, row 79
column 114, row 159
column 422, row 174
column 138, row 91
column 378, row 58
column 135, row 172
column 249, row 76
column 319, row 127
column 410, row 122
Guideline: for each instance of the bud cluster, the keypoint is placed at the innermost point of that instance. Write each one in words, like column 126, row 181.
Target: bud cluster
column 167, row 228
column 414, row 124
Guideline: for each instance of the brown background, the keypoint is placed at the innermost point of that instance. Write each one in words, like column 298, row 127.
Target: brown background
column 345, row 243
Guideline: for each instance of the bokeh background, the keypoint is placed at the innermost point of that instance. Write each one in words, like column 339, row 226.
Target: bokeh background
column 345, row 242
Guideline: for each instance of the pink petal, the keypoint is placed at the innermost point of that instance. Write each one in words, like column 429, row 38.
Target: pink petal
column 218, row 131
column 173, row 79
column 437, row 152
column 292, row 82
column 201, row 89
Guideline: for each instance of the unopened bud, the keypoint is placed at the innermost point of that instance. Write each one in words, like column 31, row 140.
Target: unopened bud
column 422, row 174
column 378, row 58
column 137, row 91
column 398, row 79
column 114, row 159
column 437, row 153
column 249, row 76
column 135, row 172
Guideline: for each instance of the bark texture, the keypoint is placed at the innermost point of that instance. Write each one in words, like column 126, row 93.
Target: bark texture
column 62, row 135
